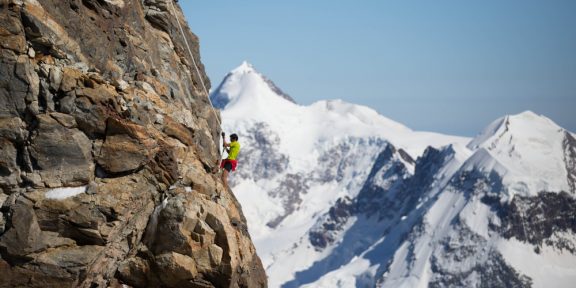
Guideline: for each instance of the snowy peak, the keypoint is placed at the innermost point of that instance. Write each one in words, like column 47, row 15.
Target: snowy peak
column 244, row 68
column 246, row 86
column 528, row 150
column 526, row 125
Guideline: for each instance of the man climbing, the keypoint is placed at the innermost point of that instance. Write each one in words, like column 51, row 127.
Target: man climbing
column 229, row 164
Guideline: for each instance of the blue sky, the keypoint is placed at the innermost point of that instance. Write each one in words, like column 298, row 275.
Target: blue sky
column 448, row 66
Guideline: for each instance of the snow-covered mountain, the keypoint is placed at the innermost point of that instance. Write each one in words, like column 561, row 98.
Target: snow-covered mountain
column 337, row 195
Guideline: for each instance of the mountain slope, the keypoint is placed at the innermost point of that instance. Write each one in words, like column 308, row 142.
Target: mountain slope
column 367, row 202
column 476, row 229
column 297, row 161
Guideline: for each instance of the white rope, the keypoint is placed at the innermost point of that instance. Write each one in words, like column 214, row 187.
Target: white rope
column 194, row 62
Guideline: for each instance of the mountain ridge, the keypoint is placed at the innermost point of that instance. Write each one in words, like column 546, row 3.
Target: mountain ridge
column 348, row 209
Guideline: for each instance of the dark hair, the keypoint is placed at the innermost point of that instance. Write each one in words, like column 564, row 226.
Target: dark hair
column 234, row 137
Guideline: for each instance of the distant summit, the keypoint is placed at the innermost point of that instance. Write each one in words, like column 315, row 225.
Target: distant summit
column 530, row 152
column 245, row 82
column 523, row 125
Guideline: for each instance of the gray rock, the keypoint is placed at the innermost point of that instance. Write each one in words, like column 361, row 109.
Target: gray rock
column 25, row 70
column 13, row 129
column 158, row 19
column 120, row 85
column 3, row 198
column 209, row 153
column 55, row 77
column 46, row 96
column 215, row 254
column 64, row 119
column 92, row 108
column 13, row 89
column 24, row 236
column 2, row 223
column 62, row 155
column 31, row 52
column 67, row 103
column 9, row 170
column 70, row 257
column 34, row 179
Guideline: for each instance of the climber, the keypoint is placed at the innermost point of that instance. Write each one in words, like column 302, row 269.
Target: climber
column 229, row 164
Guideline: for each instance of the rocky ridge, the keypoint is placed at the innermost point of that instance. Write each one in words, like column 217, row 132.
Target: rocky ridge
column 106, row 149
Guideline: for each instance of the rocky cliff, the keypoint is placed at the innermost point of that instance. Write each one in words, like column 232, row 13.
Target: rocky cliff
column 107, row 143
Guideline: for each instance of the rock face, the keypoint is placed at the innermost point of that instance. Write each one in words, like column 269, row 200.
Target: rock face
column 107, row 143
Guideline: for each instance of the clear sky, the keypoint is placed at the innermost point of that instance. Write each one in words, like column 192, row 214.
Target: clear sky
column 449, row 66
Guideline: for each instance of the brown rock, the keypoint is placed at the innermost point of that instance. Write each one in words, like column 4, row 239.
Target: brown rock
column 206, row 234
column 202, row 259
column 127, row 147
column 11, row 31
column 178, row 131
column 165, row 165
column 175, row 269
column 70, row 79
column 153, row 130
column 64, row 119
column 135, row 272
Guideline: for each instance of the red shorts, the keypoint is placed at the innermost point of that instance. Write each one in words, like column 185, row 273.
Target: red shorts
column 229, row 164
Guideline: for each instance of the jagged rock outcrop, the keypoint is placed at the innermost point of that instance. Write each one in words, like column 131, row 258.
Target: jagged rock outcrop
column 107, row 144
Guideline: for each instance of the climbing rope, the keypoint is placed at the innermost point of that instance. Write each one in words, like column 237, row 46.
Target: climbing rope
column 199, row 77
column 194, row 63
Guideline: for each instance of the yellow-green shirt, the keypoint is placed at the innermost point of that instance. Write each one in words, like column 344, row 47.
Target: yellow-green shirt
column 234, row 150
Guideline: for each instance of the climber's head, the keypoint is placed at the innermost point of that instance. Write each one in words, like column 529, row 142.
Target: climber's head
column 233, row 137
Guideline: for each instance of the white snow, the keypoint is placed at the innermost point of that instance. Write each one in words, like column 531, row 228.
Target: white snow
column 344, row 277
column 306, row 133
column 525, row 150
column 258, row 208
column 477, row 216
column 302, row 128
column 64, row 192
column 550, row 268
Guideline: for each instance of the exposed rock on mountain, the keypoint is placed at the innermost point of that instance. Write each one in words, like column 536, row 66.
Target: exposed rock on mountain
column 107, row 143
column 307, row 166
column 347, row 206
